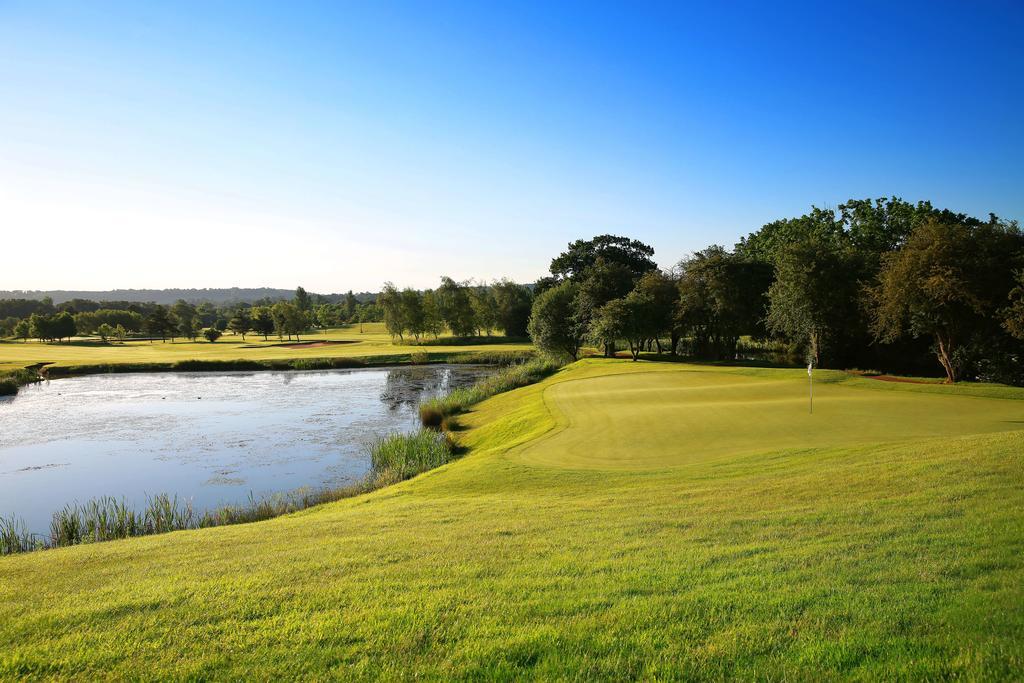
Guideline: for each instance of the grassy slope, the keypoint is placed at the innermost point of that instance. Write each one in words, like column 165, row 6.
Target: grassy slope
column 873, row 554
column 373, row 342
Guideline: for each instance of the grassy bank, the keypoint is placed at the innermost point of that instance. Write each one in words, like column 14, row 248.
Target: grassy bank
column 751, row 541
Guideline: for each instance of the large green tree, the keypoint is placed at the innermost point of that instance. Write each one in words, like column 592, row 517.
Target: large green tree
column 814, row 295
column 947, row 282
column 554, row 326
column 582, row 255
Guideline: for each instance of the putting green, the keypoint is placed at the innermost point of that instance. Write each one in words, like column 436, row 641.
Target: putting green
column 665, row 416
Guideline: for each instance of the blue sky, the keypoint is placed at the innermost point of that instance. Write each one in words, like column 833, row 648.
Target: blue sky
column 338, row 145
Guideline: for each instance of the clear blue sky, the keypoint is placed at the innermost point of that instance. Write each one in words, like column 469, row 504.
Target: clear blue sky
column 341, row 144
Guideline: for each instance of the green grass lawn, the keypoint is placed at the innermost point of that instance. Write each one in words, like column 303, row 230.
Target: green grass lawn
column 620, row 520
column 373, row 341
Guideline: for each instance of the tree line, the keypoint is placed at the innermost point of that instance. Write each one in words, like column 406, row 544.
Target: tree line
column 31, row 319
column 880, row 284
column 465, row 308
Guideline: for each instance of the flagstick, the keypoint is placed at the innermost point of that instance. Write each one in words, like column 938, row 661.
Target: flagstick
column 810, row 384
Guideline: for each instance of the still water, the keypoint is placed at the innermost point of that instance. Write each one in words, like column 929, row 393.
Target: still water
column 211, row 437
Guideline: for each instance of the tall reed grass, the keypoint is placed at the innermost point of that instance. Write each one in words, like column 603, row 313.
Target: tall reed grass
column 398, row 456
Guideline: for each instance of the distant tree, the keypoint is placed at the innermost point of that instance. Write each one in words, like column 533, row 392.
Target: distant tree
column 413, row 316
column 120, row 332
column 326, row 315
column 22, row 330
column 554, row 327
column 158, row 323
column 946, row 282
column 289, row 319
column 302, row 299
column 390, row 301
column 86, row 322
column 40, row 327
column 183, row 315
column 105, row 331
column 485, row 309
column 212, row 334
column 240, row 322
column 63, row 326
column 220, row 324
column 456, row 307
column 512, row 306
column 433, row 323
column 350, row 306
column 262, row 321
column 206, row 315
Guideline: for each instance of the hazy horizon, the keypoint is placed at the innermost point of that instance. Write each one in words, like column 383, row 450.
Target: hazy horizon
column 154, row 147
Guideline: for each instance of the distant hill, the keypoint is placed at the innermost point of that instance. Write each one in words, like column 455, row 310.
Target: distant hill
column 169, row 296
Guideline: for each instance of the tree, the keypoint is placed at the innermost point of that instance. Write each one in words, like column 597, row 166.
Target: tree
column 86, row 322
column 946, row 283
column 582, row 255
column 350, row 306
column 120, row 332
column 22, row 330
column 212, row 334
column 553, row 324
column 485, row 309
column 662, row 293
column 813, row 295
column 240, row 322
column 105, row 331
column 512, row 307
column 721, row 297
column 262, row 321
column 63, row 325
column 390, row 300
column 158, row 323
column 1013, row 315
column 433, row 323
column 602, row 282
column 183, row 315
column 413, row 317
column 456, row 307
column 302, row 299
column 633, row 318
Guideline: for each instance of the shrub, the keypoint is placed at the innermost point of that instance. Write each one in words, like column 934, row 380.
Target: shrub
column 419, row 357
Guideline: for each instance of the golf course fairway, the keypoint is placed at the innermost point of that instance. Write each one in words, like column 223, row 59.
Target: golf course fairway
column 618, row 520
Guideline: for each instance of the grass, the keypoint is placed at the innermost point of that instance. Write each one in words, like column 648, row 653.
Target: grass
column 587, row 534
column 369, row 346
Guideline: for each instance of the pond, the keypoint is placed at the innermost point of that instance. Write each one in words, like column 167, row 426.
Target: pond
column 213, row 438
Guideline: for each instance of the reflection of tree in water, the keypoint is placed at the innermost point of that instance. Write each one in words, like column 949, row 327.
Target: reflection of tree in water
column 409, row 386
